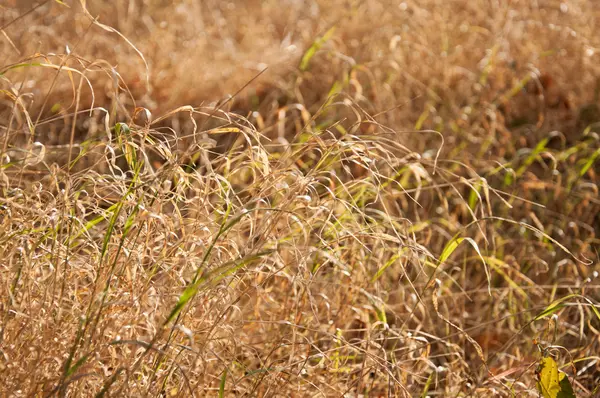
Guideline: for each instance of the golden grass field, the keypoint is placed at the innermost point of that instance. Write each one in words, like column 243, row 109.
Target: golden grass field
column 320, row 198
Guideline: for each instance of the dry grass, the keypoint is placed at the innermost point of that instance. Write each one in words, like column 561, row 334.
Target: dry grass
column 405, row 203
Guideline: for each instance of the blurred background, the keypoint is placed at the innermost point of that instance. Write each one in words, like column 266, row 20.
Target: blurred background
column 443, row 61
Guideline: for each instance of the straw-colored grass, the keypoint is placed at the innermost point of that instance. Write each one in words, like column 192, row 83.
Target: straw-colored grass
column 288, row 198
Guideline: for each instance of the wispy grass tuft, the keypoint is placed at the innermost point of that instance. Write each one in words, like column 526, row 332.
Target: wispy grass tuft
column 304, row 199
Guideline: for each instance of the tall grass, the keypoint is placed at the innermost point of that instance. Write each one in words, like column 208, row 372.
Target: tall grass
column 327, row 198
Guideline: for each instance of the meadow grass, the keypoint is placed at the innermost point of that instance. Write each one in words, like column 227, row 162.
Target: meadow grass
column 285, row 198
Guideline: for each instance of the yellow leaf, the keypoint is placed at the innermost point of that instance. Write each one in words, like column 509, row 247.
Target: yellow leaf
column 551, row 382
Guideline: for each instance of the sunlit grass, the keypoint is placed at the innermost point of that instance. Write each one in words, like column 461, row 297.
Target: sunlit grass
column 404, row 203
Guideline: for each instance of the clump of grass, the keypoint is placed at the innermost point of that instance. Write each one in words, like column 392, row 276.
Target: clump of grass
column 398, row 211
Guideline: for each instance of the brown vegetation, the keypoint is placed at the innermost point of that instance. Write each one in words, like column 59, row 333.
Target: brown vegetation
column 392, row 207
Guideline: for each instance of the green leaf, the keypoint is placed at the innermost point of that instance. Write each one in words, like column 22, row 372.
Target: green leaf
column 454, row 243
column 551, row 309
column 77, row 365
column 422, row 118
column 427, row 385
column 539, row 148
column 222, row 385
column 378, row 306
column 449, row 249
column 560, row 303
column 552, row 383
column 122, row 128
column 316, row 46
column 186, row 296
column 381, row 270
column 590, row 162
column 474, row 195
